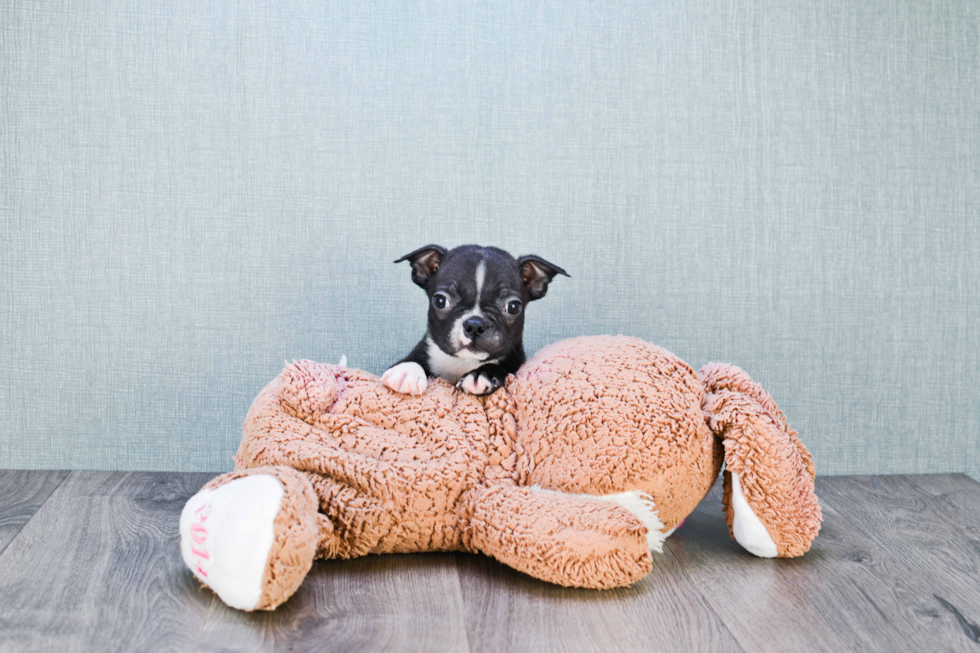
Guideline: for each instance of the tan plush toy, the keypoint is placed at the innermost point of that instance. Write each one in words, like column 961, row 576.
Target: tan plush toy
column 573, row 472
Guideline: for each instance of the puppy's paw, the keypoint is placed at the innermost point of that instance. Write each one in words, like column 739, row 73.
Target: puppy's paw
column 479, row 383
column 406, row 378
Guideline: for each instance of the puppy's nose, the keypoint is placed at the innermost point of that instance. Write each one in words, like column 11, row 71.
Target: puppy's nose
column 474, row 326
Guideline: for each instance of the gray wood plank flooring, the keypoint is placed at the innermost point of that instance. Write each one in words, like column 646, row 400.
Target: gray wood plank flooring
column 89, row 561
column 862, row 585
column 939, row 561
column 508, row 611
column 781, row 604
column 98, row 568
column 22, row 493
column 369, row 604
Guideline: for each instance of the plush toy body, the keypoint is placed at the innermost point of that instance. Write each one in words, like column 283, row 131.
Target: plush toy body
column 584, row 462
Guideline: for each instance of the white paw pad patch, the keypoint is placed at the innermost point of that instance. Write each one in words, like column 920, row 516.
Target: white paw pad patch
column 746, row 526
column 226, row 535
column 405, row 378
column 641, row 504
column 637, row 502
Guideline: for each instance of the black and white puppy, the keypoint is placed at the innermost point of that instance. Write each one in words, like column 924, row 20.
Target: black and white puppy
column 477, row 297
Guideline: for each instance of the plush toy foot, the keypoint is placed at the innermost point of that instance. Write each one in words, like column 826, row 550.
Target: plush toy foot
column 251, row 535
column 769, row 498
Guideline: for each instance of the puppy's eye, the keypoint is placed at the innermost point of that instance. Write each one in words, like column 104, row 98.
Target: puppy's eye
column 513, row 307
column 440, row 301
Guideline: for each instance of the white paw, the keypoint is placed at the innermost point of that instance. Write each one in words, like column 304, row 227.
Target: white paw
column 746, row 526
column 477, row 384
column 226, row 535
column 406, row 378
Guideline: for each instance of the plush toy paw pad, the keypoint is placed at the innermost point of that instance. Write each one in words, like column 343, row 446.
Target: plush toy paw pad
column 747, row 527
column 405, row 378
column 226, row 535
column 477, row 383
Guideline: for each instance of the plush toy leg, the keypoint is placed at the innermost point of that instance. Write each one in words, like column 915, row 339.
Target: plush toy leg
column 560, row 538
column 770, row 505
column 250, row 535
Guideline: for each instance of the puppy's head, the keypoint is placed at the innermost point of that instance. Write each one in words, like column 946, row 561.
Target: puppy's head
column 477, row 296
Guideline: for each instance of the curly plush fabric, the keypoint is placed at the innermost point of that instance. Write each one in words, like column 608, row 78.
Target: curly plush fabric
column 519, row 475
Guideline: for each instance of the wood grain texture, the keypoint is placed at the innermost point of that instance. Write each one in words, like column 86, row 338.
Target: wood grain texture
column 22, row 492
column 896, row 567
column 931, row 541
column 98, row 568
column 509, row 611
column 852, row 590
column 957, row 498
column 389, row 603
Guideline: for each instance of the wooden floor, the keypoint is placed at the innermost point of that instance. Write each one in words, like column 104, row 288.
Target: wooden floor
column 89, row 561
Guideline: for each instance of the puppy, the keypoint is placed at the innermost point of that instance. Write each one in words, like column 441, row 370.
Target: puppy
column 477, row 297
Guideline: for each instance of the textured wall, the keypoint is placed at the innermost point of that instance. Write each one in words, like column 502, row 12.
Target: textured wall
column 191, row 194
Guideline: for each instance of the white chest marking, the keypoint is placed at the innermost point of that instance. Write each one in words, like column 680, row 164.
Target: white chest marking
column 451, row 368
column 446, row 366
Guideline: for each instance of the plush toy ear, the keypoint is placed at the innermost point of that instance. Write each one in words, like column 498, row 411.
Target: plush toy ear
column 537, row 273
column 425, row 261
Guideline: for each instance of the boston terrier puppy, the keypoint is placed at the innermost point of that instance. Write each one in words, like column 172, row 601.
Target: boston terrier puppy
column 477, row 297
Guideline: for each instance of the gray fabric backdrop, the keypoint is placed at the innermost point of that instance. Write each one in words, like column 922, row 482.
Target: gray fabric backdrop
column 191, row 194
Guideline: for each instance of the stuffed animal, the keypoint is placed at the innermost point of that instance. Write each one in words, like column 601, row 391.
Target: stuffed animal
column 573, row 472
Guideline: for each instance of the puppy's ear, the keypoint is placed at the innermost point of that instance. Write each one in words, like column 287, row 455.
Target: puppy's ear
column 425, row 261
column 537, row 273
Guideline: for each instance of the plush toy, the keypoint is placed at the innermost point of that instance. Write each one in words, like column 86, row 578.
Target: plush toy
column 573, row 472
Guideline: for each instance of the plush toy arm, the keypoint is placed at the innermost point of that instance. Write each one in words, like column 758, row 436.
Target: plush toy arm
column 769, row 498
column 290, row 424
column 358, row 413
column 557, row 537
